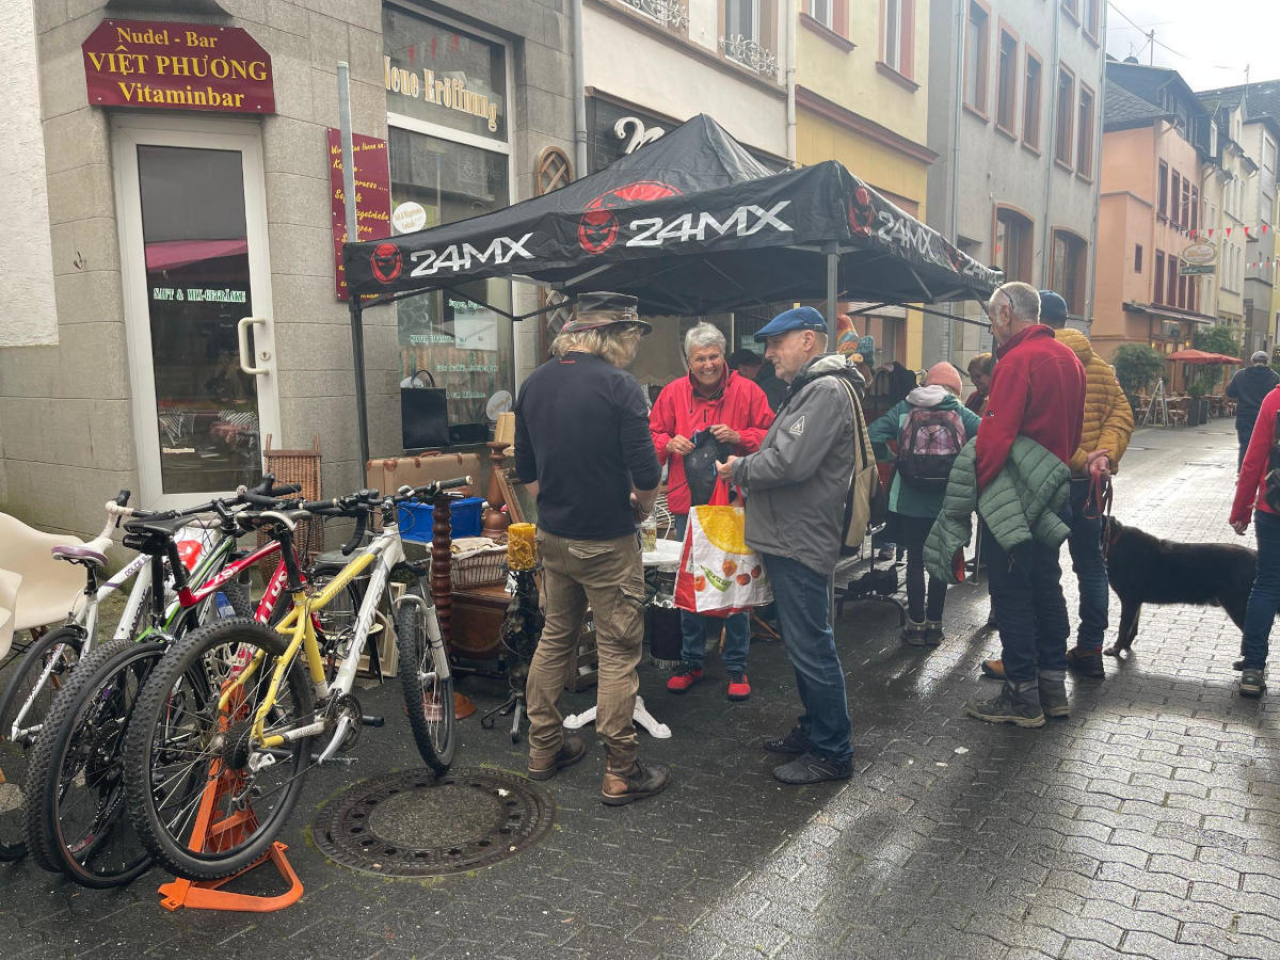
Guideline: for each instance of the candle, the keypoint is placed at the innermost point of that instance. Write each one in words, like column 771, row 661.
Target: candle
column 521, row 551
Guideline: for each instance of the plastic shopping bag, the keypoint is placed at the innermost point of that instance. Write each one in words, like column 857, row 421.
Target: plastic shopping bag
column 719, row 574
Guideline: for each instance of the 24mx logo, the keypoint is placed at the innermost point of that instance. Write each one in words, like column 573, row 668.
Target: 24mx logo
column 460, row 256
column 743, row 222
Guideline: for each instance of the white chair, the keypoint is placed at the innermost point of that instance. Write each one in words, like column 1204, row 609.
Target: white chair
column 9, row 583
column 47, row 588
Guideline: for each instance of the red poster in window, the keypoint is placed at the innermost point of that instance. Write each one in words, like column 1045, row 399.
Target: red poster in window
column 177, row 66
column 373, row 196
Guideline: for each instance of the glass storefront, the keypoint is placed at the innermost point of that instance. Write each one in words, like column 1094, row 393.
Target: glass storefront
column 440, row 80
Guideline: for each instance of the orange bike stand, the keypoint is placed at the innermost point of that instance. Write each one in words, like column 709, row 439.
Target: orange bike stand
column 206, row 894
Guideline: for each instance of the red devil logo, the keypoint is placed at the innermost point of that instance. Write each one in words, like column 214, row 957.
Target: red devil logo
column 598, row 227
column 385, row 262
column 861, row 213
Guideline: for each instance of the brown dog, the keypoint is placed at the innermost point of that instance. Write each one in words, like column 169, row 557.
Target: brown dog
column 1145, row 569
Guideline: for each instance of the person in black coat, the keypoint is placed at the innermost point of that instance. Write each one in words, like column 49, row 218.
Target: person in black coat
column 1248, row 388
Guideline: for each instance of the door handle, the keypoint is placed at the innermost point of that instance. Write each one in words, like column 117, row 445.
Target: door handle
column 246, row 357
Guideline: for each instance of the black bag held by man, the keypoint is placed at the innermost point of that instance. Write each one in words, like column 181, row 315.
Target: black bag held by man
column 700, row 465
column 1271, row 491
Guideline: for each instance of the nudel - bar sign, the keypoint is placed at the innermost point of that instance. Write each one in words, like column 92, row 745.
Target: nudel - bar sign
column 177, row 66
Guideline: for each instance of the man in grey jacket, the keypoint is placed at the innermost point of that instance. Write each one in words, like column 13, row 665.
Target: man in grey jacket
column 796, row 485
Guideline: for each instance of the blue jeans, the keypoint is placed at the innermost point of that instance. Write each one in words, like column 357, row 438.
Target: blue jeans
column 1085, row 545
column 803, row 598
column 1031, row 613
column 1264, row 598
column 737, row 629
column 1244, row 430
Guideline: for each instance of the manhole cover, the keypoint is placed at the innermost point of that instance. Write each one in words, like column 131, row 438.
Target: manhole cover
column 412, row 824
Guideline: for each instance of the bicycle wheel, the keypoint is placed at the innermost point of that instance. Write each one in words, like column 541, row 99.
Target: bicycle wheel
column 427, row 683
column 179, row 744
column 28, row 695
column 75, row 782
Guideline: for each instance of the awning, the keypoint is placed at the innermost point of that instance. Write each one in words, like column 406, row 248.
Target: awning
column 1166, row 314
column 171, row 254
column 1202, row 357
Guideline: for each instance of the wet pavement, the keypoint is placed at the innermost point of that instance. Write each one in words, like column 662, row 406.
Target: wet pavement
column 1147, row 824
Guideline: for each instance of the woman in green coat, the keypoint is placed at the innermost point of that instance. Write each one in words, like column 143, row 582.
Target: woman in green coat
column 929, row 426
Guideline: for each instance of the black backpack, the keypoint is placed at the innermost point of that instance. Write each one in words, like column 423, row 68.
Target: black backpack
column 928, row 444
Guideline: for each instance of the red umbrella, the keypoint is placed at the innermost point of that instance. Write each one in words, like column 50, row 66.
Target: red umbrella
column 1200, row 356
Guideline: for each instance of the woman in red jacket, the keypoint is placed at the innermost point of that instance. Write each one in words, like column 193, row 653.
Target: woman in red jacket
column 712, row 400
column 1264, row 599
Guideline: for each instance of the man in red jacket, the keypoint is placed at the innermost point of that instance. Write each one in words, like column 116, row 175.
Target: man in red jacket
column 1037, row 391
column 719, row 405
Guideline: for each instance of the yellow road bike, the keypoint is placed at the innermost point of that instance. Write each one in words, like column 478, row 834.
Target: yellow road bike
column 222, row 733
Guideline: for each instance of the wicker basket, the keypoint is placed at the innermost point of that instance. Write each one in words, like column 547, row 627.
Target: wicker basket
column 489, row 567
column 303, row 468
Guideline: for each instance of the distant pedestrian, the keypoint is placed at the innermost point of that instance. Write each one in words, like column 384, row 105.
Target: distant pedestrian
column 1249, row 387
column 980, row 368
column 1108, row 425
column 796, row 487
column 930, row 426
column 1037, row 392
column 584, row 450
column 1264, row 598
column 721, row 408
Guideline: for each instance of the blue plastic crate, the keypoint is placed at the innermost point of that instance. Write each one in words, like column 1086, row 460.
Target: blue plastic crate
column 416, row 520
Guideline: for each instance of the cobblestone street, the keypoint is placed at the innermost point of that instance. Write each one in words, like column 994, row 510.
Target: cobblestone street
column 1146, row 824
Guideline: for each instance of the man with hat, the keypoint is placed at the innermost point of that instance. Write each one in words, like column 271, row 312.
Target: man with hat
column 584, row 450
column 1248, row 388
column 796, row 485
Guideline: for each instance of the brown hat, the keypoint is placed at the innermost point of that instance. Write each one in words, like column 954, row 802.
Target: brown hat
column 595, row 310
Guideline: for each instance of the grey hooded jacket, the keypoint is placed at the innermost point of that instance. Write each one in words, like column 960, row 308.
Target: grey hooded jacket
column 797, row 482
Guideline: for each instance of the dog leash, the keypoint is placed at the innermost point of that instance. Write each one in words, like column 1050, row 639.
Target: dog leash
column 1098, row 506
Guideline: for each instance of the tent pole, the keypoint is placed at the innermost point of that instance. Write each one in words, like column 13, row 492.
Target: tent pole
column 833, row 274
column 353, row 235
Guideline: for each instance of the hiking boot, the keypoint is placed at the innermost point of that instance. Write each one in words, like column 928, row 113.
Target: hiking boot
column 1086, row 663
column 572, row 750
column 812, row 768
column 993, row 669
column 1053, row 693
column 1015, row 703
column 933, row 635
column 686, row 675
column 796, row 741
column 913, row 634
column 1252, row 682
column 739, row 688
column 644, row 780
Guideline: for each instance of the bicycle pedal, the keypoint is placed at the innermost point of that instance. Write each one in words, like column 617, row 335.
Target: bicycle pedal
column 372, row 721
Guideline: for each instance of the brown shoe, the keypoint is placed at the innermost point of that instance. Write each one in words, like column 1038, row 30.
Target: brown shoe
column 572, row 749
column 644, row 780
column 993, row 669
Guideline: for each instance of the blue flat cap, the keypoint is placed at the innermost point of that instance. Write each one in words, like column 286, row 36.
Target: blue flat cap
column 799, row 318
column 1052, row 306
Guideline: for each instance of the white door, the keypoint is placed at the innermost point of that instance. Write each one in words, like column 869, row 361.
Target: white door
column 193, row 239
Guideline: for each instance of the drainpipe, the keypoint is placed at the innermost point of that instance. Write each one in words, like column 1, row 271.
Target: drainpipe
column 790, row 42
column 1092, row 308
column 958, row 48
column 1046, row 251
column 579, row 96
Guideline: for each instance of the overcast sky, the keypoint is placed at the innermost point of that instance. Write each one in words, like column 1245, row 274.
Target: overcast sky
column 1213, row 40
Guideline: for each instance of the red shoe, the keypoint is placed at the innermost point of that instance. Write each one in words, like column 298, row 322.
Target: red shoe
column 739, row 688
column 686, row 676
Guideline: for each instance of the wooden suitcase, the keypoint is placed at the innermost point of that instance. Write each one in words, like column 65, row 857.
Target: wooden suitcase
column 389, row 474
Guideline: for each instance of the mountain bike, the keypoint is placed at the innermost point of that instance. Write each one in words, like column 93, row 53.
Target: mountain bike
column 231, row 763
column 48, row 662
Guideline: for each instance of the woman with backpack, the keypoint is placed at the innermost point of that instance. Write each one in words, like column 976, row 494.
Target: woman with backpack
column 929, row 426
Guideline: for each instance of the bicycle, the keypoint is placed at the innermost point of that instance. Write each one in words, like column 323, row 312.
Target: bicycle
column 231, row 764
column 49, row 661
column 74, row 782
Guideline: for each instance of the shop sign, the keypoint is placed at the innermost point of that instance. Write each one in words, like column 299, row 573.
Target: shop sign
column 182, row 66
column 1197, row 270
column 1200, row 254
column 373, row 197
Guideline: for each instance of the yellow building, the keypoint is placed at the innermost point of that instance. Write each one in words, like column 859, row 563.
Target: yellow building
column 861, row 98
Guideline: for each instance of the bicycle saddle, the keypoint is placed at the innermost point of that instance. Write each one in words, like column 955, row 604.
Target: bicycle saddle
column 91, row 553
column 157, row 526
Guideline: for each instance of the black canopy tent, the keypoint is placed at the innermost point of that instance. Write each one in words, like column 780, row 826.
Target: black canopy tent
column 688, row 224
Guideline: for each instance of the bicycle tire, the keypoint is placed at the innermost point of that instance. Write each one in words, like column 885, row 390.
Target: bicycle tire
column 65, row 643
column 213, row 652
column 427, row 683
column 82, row 741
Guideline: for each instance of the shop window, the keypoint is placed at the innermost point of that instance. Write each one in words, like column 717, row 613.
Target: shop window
column 1014, row 238
column 1063, row 120
column 977, row 49
column 1084, row 133
column 1137, row 258
column 1032, row 94
column 898, row 35
column 1157, row 288
column 1162, row 190
column 1070, row 265
column 1007, row 83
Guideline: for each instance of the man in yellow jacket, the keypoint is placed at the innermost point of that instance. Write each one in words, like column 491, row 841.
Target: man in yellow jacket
column 1108, row 425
